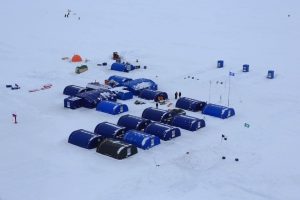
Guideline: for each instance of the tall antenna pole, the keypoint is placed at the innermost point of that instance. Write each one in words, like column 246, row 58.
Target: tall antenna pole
column 228, row 90
column 209, row 91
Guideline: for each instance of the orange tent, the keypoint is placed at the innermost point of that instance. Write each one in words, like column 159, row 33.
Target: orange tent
column 76, row 58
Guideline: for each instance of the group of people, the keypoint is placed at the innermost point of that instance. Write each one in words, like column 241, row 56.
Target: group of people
column 67, row 15
column 177, row 95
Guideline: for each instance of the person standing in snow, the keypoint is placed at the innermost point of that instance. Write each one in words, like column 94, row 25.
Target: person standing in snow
column 156, row 104
column 14, row 118
column 176, row 94
column 179, row 94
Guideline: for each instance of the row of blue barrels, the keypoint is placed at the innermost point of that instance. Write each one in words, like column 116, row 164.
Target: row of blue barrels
column 214, row 110
column 270, row 74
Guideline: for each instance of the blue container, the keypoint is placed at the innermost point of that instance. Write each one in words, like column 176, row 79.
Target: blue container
column 73, row 102
column 270, row 74
column 246, row 68
column 220, row 64
column 141, row 139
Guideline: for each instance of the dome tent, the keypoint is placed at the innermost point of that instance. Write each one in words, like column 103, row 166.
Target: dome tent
column 72, row 90
column 188, row 122
column 153, row 95
column 137, row 85
column 190, row 104
column 76, row 58
column 84, row 139
column 118, row 80
column 156, row 114
column 140, row 139
column 133, row 122
column 112, row 108
column 163, row 131
column 91, row 98
column 109, row 130
column 116, row 149
column 218, row 111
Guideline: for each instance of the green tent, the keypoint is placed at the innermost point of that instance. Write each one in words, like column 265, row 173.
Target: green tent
column 81, row 69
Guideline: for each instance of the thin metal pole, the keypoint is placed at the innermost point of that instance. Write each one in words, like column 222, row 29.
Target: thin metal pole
column 228, row 91
column 209, row 91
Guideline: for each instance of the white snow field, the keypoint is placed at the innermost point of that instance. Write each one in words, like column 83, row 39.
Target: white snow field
column 174, row 39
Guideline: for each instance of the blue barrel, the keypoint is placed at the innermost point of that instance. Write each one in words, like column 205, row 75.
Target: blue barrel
column 220, row 64
column 245, row 68
column 270, row 74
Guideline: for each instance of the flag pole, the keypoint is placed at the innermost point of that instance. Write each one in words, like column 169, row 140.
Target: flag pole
column 229, row 90
column 209, row 91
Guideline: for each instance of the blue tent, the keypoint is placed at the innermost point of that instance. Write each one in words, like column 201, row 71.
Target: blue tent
column 218, row 111
column 190, row 104
column 141, row 139
column 152, row 95
column 133, row 122
column 135, row 86
column 84, row 139
column 91, row 98
column 117, row 80
column 163, row 131
column 187, row 122
column 73, row 102
column 97, row 86
column 111, row 107
column 122, row 67
column 72, row 90
column 156, row 114
column 122, row 93
column 109, row 130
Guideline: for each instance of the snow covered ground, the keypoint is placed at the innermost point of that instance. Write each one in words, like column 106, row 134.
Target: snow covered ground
column 175, row 39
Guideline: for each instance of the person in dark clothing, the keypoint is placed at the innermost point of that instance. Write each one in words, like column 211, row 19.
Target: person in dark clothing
column 179, row 94
column 176, row 94
column 156, row 104
column 15, row 118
